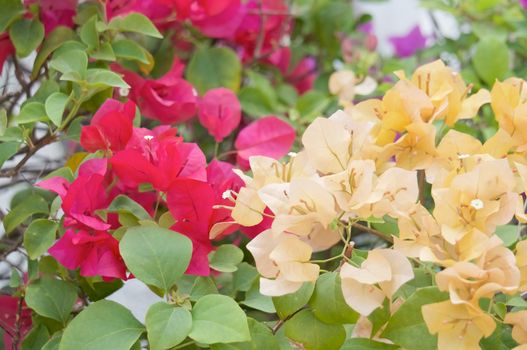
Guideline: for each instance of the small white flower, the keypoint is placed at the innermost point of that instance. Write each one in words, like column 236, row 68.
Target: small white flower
column 463, row 156
column 194, row 92
column 124, row 92
column 148, row 137
column 226, row 194
column 292, row 154
column 477, row 204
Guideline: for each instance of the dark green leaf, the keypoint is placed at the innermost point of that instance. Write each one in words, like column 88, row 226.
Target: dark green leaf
column 7, row 150
column 314, row 334
column 124, row 204
column 51, row 298
column 36, row 338
column 32, row 112
column 11, row 9
column 366, row 344
column 88, row 33
column 70, row 61
column 134, row 23
column 288, row 304
column 39, row 236
column 130, row 50
column 26, row 35
column 52, row 41
column 31, row 205
column 102, row 78
column 261, row 339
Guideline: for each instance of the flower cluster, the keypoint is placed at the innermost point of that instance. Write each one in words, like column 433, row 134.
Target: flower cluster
column 373, row 160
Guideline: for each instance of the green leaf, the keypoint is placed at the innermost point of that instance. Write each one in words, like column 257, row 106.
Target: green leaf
column 3, row 122
column 255, row 102
column 500, row 339
column 226, row 258
column 55, row 105
column 289, row 304
column 52, row 41
column 155, row 255
column 33, row 204
column 71, row 61
column 407, row 328
column 51, row 298
column 124, row 204
column 102, row 78
column 218, row 319
column 167, row 325
column 130, row 50
column 104, row 53
column 134, row 23
column 97, row 290
column 102, row 325
column 11, row 9
column 261, row 339
column 26, row 35
column 314, row 334
column 36, row 338
column 39, row 236
column 210, row 68
column 7, row 150
column 14, row 280
column 244, row 277
column 509, row 234
column 54, row 342
column 254, row 299
column 311, row 105
column 89, row 34
column 32, row 112
column 328, row 303
column 491, row 59
column 366, row 344
column 202, row 286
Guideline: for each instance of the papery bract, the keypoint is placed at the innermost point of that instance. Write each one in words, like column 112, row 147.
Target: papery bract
column 11, row 320
column 220, row 112
column 407, row 45
column 55, row 13
column 268, row 136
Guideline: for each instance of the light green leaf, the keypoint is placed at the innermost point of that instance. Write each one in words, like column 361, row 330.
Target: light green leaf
column 33, row 204
column 7, row 150
column 155, row 255
column 366, row 344
column 102, row 325
column 314, row 334
column 89, row 34
column 288, row 304
column 36, row 338
column 214, row 67
column 52, row 41
column 55, row 105
column 134, row 23
column 491, row 59
column 39, row 236
column 54, row 342
column 327, row 301
column 218, row 319
column 255, row 300
column 124, row 204
column 104, row 77
column 51, row 298
column 202, row 286
column 11, row 9
column 311, row 105
column 226, row 258
column 509, row 234
column 26, row 35
column 32, row 112
column 244, row 277
column 3, row 122
column 71, row 61
column 261, row 339
column 407, row 328
column 167, row 325
column 130, row 50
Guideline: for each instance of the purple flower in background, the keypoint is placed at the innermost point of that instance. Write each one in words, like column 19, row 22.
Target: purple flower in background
column 524, row 3
column 408, row 44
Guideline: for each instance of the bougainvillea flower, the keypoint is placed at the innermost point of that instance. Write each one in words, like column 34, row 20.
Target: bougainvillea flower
column 457, row 326
column 6, row 49
column 110, row 128
column 302, row 76
column 220, row 112
column 156, row 10
column 217, row 19
column 9, row 320
column 55, row 13
column 406, row 45
column 169, row 99
column 283, row 262
column 521, row 262
column 96, row 254
column 382, row 273
column 346, row 85
column 518, row 320
column 268, row 136
column 416, row 148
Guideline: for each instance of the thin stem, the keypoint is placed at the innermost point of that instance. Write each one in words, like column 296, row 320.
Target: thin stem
column 421, row 180
column 190, row 342
column 373, row 232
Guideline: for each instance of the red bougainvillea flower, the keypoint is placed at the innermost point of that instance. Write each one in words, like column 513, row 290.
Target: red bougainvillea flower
column 159, row 162
column 217, row 18
column 110, row 128
column 170, row 99
column 84, row 196
column 8, row 320
column 55, row 13
column 156, row 10
column 302, row 76
column 274, row 27
column 268, row 136
column 407, row 45
column 6, row 49
column 220, row 112
column 95, row 254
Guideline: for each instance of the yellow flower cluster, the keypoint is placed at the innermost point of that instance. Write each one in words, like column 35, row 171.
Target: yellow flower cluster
column 364, row 162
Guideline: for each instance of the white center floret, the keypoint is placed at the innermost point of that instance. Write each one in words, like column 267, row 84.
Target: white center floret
column 463, row 156
column 292, row 154
column 226, row 194
column 477, row 204
column 148, row 137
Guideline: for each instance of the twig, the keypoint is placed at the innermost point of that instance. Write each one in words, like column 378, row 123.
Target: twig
column 421, row 181
column 18, row 321
column 373, row 232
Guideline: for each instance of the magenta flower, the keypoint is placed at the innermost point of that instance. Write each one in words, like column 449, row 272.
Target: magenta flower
column 408, row 44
